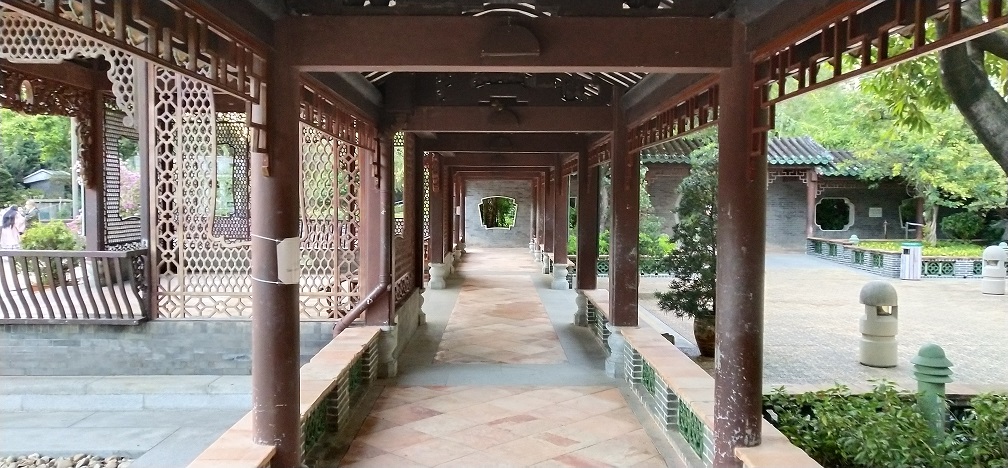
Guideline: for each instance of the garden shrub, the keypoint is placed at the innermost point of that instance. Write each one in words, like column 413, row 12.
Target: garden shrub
column 964, row 226
column 884, row 428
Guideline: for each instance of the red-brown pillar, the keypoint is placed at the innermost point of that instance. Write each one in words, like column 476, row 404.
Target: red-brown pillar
column 275, row 323
column 549, row 210
column 741, row 238
column 533, row 214
column 811, row 188
column 413, row 205
column 447, row 191
column 561, row 204
column 437, row 233
column 623, row 271
column 456, row 236
column 94, row 190
column 587, row 223
column 462, row 215
column 540, row 201
column 376, row 228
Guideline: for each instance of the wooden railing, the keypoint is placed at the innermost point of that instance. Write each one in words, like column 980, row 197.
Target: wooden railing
column 51, row 286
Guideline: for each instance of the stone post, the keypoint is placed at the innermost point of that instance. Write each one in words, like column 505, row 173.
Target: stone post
column 931, row 370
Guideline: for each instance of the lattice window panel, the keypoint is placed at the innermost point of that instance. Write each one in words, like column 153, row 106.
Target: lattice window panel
column 330, row 222
column 25, row 39
column 200, row 275
column 233, row 132
column 120, row 233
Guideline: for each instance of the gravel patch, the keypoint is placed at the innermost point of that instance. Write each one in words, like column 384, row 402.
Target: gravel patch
column 80, row 460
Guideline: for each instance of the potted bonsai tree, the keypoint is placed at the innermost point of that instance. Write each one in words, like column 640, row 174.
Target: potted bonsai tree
column 693, row 263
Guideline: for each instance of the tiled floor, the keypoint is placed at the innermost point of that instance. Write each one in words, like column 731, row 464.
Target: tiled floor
column 499, row 319
column 501, row 426
column 501, row 336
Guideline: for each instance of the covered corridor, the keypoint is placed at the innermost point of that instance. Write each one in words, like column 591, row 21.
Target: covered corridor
column 304, row 166
column 480, row 389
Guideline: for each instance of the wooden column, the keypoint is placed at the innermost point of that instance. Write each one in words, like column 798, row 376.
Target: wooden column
column 540, row 202
column 811, row 188
column 376, row 228
column 436, row 213
column 413, row 205
column 94, row 191
column 275, row 323
column 462, row 213
column 623, row 271
column 741, row 239
column 549, row 189
column 587, row 223
column 561, row 202
column 533, row 212
column 448, row 209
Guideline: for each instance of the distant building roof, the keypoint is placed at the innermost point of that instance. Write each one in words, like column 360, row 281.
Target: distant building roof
column 781, row 151
column 46, row 174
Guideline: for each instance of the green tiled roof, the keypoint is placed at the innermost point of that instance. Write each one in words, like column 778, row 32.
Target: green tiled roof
column 791, row 151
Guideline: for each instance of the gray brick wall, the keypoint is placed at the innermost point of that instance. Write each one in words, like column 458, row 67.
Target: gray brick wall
column 785, row 217
column 663, row 187
column 156, row 347
column 888, row 196
column 479, row 236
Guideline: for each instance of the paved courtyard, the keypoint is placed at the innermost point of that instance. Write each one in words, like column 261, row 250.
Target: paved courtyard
column 812, row 312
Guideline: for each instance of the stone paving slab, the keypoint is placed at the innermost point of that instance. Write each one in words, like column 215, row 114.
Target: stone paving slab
column 811, row 333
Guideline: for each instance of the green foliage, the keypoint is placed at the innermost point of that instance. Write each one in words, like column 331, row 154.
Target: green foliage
column 603, row 242
column 942, row 249
column 693, row 264
column 47, row 136
column 964, row 226
column 498, row 212
column 886, row 429
column 50, row 236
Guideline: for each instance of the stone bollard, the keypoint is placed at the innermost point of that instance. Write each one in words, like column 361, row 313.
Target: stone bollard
column 993, row 273
column 931, row 370
column 878, row 325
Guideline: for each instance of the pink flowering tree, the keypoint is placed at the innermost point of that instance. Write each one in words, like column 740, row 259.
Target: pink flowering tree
column 129, row 191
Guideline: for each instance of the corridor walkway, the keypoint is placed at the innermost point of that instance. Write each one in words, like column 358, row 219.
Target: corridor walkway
column 500, row 377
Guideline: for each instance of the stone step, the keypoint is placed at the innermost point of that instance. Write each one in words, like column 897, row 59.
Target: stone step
column 124, row 393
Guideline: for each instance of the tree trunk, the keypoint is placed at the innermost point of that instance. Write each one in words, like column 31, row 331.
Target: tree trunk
column 967, row 84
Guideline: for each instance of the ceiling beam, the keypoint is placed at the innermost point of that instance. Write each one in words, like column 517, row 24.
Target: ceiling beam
column 510, row 120
column 501, row 160
column 507, row 143
column 540, row 45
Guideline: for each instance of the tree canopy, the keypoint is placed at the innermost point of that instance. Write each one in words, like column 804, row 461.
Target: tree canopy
column 945, row 165
column 972, row 75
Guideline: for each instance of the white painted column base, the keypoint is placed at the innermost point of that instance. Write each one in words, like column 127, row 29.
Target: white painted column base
column 531, row 246
column 614, row 365
column 449, row 262
column 581, row 317
column 438, row 272
column 387, row 342
column 560, row 276
column 421, row 316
